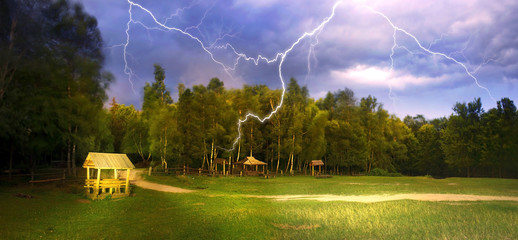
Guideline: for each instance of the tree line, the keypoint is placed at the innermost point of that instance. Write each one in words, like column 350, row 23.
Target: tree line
column 52, row 91
column 351, row 135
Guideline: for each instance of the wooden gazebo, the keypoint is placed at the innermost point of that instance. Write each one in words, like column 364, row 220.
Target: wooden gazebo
column 221, row 161
column 101, row 188
column 250, row 162
column 314, row 163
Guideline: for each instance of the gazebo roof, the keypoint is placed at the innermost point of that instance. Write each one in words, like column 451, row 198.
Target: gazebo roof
column 251, row 161
column 316, row 163
column 108, row 161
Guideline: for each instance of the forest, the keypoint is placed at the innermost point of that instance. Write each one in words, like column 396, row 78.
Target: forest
column 53, row 93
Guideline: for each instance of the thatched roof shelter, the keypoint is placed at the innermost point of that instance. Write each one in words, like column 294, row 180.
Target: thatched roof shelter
column 222, row 162
column 100, row 188
column 250, row 161
column 107, row 161
column 316, row 163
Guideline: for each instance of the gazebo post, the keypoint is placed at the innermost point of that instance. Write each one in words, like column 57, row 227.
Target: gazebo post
column 87, row 172
column 319, row 168
column 312, row 170
column 98, row 183
column 224, row 168
column 127, row 182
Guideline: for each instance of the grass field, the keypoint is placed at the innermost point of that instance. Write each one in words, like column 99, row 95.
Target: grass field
column 220, row 209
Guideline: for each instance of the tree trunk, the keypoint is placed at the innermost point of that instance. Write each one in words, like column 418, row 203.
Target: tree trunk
column 11, row 162
column 278, row 152
column 69, row 167
column 288, row 164
column 292, row 153
column 74, row 172
column 204, row 154
column 251, row 139
column 212, row 155
column 238, row 149
column 164, row 154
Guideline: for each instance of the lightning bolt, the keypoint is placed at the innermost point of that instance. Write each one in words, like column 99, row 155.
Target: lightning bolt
column 279, row 57
column 427, row 50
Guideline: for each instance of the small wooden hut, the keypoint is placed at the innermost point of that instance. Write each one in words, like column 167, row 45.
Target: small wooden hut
column 314, row 163
column 221, row 161
column 101, row 188
column 250, row 162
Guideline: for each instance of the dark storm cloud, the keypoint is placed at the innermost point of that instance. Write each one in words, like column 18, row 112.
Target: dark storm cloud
column 353, row 49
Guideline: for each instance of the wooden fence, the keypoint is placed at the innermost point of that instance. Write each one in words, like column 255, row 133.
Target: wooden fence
column 185, row 170
column 182, row 170
column 39, row 176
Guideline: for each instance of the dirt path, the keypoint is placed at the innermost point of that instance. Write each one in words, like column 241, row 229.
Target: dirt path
column 160, row 187
column 136, row 179
column 383, row 198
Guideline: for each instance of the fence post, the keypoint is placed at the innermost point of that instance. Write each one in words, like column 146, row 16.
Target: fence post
column 32, row 177
column 240, row 173
column 149, row 172
column 184, row 170
column 199, row 171
column 64, row 175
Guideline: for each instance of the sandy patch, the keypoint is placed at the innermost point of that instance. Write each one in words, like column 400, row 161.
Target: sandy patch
column 299, row 227
column 161, row 187
column 198, row 204
column 383, row 198
column 136, row 179
column 376, row 184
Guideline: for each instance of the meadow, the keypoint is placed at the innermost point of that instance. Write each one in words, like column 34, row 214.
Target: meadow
column 222, row 208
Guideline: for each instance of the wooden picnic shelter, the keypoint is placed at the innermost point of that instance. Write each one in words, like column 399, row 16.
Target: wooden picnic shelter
column 221, row 161
column 247, row 165
column 314, row 163
column 97, row 188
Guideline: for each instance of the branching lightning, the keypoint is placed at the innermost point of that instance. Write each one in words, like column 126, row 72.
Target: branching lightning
column 427, row 50
column 278, row 57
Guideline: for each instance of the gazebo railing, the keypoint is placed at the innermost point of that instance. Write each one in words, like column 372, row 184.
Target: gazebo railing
column 105, row 185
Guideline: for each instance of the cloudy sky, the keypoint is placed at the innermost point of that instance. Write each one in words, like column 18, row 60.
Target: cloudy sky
column 462, row 49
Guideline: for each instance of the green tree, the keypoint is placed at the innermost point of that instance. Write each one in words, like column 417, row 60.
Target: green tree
column 462, row 139
column 430, row 158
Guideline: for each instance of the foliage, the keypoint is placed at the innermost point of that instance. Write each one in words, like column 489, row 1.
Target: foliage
column 52, row 87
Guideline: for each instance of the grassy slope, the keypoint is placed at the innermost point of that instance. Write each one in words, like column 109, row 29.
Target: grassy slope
column 221, row 212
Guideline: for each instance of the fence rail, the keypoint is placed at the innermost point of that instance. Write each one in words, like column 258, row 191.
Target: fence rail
column 36, row 176
column 185, row 170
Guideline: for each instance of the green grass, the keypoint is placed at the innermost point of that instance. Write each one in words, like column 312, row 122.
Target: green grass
column 342, row 185
column 221, row 211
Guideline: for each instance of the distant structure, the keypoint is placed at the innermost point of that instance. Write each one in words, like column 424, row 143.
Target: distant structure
column 314, row 163
column 223, row 162
column 250, row 162
column 109, row 186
